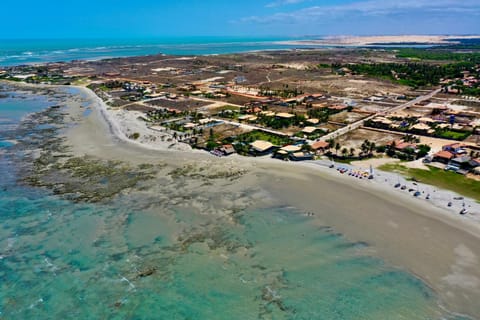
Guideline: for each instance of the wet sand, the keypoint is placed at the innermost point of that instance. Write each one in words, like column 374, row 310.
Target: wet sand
column 440, row 248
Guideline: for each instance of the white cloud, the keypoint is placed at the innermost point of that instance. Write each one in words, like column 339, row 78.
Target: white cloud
column 281, row 3
column 370, row 8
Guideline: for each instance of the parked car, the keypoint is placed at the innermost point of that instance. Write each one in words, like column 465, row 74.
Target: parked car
column 452, row 168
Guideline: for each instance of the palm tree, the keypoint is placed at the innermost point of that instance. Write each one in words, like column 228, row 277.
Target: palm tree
column 337, row 147
column 331, row 143
column 372, row 147
column 365, row 146
column 352, row 152
column 344, row 152
column 393, row 145
column 307, row 148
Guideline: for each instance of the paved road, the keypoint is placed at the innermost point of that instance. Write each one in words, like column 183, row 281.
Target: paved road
column 358, row 124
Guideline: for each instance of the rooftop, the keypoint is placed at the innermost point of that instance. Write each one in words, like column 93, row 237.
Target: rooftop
column 261, row 145
column 320, row 145
column 309, row 130
column 291, row 148
column 421, row 126
column 285, row 115
column 444, row 155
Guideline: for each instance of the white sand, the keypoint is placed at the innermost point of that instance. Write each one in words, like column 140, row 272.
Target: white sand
column 369, row 40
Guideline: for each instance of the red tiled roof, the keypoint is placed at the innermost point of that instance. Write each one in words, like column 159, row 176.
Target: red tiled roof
column 320, row 145
column 455, row 145
column 404, row 145
column 444, row 154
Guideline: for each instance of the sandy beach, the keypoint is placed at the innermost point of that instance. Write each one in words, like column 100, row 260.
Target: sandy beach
column 420, row 236
column 381, row 40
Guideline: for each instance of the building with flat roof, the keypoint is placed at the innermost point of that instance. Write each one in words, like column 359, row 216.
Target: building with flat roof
column 261, row 147
column 291, row 148
column 309, row 130
column 285, row 115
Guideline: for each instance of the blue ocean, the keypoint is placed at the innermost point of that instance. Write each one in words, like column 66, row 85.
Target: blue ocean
column 123, row 259
column 16, row 52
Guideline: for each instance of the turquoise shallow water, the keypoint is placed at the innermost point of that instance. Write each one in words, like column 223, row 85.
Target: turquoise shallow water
column 118, row 260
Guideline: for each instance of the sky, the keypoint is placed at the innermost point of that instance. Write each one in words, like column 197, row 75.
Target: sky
column 50, row 19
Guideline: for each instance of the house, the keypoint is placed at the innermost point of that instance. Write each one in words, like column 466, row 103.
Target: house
column 426, row 120
column 254, row 110
column 451, row 90
column 313, row 121
column 422, row 127
column 261, row 147
column 309, row 130
column 189, row 125
column 267, row 113
column 443, row 156
column 205, row 121
column 320, row 146
column 404, row 146
column 455, row 148
column 383, row 121
column 284, row 115
column 474, row 163
column 281, row 154
column 338, row 108
column 301, row 156
column 291, row 149
column 464, row 163
column 227, row 149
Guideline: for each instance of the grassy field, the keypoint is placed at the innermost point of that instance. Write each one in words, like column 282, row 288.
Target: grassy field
column 440, row 178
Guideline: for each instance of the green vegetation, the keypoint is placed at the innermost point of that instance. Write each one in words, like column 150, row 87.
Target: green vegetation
column 453, row 135
column 471, row 90
column 212, row 140
column 312, row 136
column 322, row 114
column 323, row 66
column 254, row 135
column 439, row 178
column 135, row 136
column 166, row 114
column 280, row 123
column 228, row 107
column 283, row 93
column 411, row 74
column 443, row 133
column 438, row 55
column 107, row 86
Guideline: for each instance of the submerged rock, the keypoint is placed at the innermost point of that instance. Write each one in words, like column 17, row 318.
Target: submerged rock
column 75, row 178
